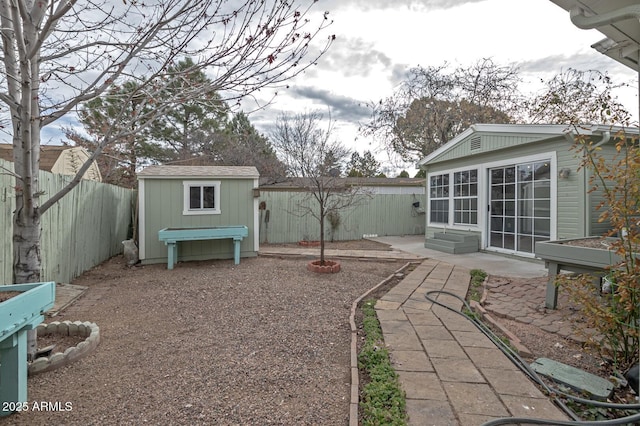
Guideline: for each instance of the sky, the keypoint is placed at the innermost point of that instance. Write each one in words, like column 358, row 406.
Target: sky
column 377, row 41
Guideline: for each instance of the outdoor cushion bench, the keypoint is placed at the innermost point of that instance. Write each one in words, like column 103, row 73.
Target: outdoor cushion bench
column 171, row 236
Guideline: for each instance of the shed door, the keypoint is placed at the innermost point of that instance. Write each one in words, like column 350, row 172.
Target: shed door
column 519, row 206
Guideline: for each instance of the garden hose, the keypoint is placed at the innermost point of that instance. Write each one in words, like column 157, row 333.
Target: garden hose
column 554, row 393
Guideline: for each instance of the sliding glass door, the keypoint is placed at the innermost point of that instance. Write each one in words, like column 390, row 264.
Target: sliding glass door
column 519, row 205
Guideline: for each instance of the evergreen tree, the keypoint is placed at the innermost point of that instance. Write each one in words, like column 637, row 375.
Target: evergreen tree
column 364, row 166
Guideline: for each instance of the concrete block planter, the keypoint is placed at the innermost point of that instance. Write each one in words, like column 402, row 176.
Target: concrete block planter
column 91, row 333
column 329, row 266
column 305, row 243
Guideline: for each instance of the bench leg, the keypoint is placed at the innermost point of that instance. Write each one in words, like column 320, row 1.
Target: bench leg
column 236, row 251
column 551, row 297
column 172, row 257
column 13, row 370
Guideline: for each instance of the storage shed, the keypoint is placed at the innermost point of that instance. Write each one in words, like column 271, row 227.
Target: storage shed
column 201, row 197
column 503, row 187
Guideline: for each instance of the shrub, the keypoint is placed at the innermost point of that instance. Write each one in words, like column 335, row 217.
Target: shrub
column 614, row 316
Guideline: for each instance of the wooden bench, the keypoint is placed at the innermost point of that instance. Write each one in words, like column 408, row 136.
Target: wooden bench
column 171, row 236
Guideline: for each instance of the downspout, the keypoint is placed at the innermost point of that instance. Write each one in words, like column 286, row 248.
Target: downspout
column 606, row 136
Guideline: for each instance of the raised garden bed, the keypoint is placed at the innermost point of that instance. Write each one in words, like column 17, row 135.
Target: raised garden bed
column 590, row 254
column 19, row 313
column 581, row 255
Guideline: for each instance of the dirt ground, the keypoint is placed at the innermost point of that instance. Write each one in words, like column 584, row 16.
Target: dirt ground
column 261, row 342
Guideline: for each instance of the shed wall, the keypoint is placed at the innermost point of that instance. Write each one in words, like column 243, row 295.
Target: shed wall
column 163, row 206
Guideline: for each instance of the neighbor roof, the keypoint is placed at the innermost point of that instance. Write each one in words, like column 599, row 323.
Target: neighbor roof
column 199, row 171
column 299, row 182
column 49, row 154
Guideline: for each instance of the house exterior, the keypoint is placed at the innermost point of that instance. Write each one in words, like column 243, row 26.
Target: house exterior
column 197, row 197
column 59, row 159
column 388, row 206
column 503, row 187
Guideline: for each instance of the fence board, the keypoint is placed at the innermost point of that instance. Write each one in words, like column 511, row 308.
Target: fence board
column 83, row 229
column 383, row 214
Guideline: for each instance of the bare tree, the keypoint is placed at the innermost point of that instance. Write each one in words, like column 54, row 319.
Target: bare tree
column 434, row 104
column 310, row 153
column 60, row 53
column 576, row 97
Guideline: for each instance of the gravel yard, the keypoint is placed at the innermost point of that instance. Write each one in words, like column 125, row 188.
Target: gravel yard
column 263, row 342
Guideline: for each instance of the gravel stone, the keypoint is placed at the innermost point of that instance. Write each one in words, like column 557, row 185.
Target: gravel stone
column 262, row 342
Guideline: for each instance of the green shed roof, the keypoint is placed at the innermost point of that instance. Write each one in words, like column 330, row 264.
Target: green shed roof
column 163, row 172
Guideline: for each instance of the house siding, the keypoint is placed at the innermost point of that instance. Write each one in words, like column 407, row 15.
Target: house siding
column 570, row 200
column 488, row 143
column 597, row 228
column 163, row 206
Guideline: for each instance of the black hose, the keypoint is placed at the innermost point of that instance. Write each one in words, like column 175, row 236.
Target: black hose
column 524, row 366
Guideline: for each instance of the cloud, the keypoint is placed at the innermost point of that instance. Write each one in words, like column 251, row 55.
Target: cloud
column 556, row 63
column 352, row 56
column 341, row 107
column 397, row 4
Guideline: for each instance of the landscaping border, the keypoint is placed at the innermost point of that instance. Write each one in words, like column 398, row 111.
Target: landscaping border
column 355, row 379
column 90, row 331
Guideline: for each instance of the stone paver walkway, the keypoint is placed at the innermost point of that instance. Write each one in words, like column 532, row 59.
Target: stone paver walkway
column 451, row 372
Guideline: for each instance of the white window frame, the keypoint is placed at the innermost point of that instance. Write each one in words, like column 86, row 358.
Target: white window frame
column 450, row 222
column 188, row 184
column 455, row 197
column 440, row 198
column 549, row 155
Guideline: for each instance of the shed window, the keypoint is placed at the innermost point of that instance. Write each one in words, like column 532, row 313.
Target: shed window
column 201, row 197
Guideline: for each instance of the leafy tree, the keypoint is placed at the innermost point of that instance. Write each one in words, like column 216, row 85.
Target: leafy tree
column 614, row 316
column 363, row 166
column 309, row 152
column 120, row 159
column 403, row 174
column 187, row 129
column 434, row 105
column 60, row 54
column 245, row 146
column 422, row 173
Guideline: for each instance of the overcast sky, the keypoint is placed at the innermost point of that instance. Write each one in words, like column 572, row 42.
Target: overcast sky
column 377, row 41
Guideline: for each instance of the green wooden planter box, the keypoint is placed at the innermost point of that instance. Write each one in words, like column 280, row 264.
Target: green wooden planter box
column 17, row 315
column 587, row 258
column 171, row 237
column 561, row 255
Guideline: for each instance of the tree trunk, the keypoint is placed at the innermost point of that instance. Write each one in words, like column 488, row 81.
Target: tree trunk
column 26, row 257
column 322, row 236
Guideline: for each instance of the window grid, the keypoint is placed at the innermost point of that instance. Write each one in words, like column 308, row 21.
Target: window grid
column 465, row 197
column 201, row 197
column 439, row 198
